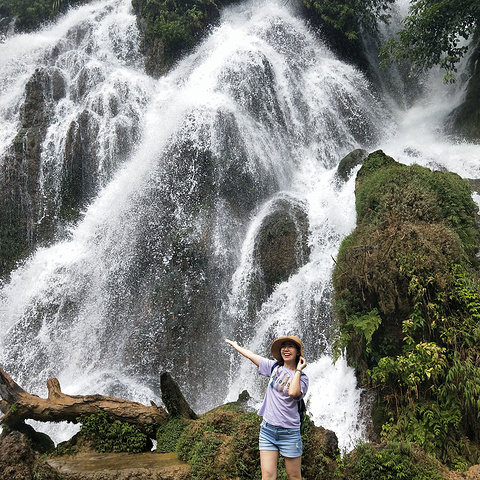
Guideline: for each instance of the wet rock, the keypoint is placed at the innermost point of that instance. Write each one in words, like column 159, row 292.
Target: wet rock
column 23, row 221
column 465, row 119
column 282, row 244
column 349, row 162
column 173, row 398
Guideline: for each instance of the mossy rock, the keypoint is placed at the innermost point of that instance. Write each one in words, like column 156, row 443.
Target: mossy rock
column 407, row 297
column 349, row 162
column 282, row 246
column 171, row 29
column 405, row 215
column 223, row 444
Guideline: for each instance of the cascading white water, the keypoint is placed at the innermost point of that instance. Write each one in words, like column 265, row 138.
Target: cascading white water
column 260, row 90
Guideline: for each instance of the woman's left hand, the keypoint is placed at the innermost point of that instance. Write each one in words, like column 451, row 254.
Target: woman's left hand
column 302, row 363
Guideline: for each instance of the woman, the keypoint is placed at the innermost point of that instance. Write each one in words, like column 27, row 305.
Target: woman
column 280, row 429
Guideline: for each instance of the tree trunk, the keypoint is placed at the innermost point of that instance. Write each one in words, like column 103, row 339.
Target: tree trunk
column 17, row 405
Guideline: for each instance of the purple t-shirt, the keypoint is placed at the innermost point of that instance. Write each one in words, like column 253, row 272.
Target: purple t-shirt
column 278, row 408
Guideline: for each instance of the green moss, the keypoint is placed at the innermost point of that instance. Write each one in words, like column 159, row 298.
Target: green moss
column 110, row 435
column 317, row 459
column 407, row 297
column 222, row 444
column 168, row 435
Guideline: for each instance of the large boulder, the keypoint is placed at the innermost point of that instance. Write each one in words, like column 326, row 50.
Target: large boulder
column 20, row 457
column 282, row 245
column 223, row 444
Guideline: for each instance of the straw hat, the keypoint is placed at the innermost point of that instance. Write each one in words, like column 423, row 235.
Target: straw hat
column 275, row 348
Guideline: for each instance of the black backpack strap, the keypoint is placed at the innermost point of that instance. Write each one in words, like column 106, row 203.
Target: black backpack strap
column 273, row 367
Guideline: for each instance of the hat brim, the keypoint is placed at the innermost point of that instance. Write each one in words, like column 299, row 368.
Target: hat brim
column 277, row 343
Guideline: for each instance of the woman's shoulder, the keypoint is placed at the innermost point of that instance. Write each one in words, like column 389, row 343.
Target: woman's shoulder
column 266, row 366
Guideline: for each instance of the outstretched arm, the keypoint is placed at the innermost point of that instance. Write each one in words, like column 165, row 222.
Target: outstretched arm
column 245, row 352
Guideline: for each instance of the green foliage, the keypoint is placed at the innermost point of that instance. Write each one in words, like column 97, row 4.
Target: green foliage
column 109, row 435
column 30, row 14
column 406, row 279
column 432, row 34
column 349, row 16
column 391, row 461
column 177, row 24
column 435, row 386
column 66, row 448
column 425, row 363
column 365, row 324
column 169, row 434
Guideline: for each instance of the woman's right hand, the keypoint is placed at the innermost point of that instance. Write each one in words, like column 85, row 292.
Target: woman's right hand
column 245, row 352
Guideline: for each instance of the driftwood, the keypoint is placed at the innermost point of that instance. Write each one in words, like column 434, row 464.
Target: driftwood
column 17, row 405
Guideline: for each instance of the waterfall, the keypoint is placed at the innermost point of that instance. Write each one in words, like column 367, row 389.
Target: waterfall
column 158, row 269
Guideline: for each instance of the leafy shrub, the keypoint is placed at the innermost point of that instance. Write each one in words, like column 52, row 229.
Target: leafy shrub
column 169, row 434
column 110, row 435
column 431, row 34
column 391, row 461
column 350, row 16
column 177, row 24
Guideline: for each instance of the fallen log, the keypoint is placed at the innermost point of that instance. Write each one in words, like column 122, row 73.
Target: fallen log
column 18, row 405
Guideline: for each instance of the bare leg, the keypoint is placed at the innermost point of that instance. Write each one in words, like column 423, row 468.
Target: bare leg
column 293, row 466
column 268, row 462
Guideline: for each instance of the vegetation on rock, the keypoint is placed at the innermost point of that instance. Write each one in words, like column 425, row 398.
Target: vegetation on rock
column 172, row 28
column 350, row 16
column 168, row 435
column 407, row 296
column 30, row 14
column 387, row 461
column 110, row 435
column 223, row 444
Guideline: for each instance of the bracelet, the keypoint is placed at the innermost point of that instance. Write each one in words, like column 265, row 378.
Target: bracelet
column 298, row 370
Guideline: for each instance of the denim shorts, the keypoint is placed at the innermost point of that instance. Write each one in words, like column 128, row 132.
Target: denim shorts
column 287, row 440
